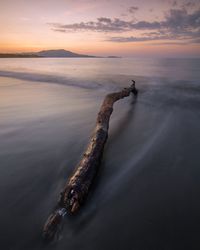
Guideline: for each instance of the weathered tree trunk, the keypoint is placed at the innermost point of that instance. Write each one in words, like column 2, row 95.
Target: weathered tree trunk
column 76, row 189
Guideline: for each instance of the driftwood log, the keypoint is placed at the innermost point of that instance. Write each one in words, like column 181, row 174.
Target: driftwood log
column 77, row 187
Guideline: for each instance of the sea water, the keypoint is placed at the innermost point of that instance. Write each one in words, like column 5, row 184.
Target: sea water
column 146, row 195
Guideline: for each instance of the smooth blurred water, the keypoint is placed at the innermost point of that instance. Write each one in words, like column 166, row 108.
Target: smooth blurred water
column 146, row 195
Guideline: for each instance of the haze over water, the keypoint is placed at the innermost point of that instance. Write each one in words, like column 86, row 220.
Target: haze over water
column 146, row 195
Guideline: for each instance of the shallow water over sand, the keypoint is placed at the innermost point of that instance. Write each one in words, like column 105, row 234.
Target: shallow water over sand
column 146, row 195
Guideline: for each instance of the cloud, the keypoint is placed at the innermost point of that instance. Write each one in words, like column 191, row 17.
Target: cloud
column 191, row 3
column 174, row 3
column 150, row 36
column 104, row 20
column 134, row 39
column 179, row 19
column 60, row 30
column 143, row 25
column 103, row 24
column 133, row 9
column 186, row 38
column 176, row 24
column 183, row 3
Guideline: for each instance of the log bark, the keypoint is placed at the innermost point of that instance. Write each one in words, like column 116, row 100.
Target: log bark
column 77, row 187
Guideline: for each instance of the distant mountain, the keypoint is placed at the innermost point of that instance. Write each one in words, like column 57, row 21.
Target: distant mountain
column 61, row 53
column 47, row 54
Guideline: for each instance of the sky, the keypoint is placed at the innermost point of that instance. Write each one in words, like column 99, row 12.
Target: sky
column 102, row 27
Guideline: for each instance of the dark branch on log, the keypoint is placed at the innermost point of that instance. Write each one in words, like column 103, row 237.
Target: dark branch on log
column 76, row 189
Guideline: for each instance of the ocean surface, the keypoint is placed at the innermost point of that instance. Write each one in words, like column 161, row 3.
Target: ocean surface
column 147, row 193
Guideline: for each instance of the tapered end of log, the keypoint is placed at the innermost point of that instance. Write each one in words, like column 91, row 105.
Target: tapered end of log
column 52, row 224
column 134, row 90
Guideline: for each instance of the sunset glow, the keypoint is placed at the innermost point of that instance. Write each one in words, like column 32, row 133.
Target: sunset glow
column 107, row 27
